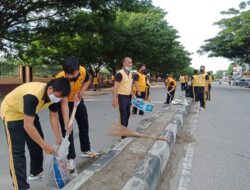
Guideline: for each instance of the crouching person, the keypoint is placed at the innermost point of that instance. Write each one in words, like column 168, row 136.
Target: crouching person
column 19, row 113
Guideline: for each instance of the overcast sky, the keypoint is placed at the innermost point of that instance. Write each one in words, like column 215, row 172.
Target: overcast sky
column 194, row 21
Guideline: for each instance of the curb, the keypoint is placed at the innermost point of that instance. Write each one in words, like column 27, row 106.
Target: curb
column 146, row 176
column 148, row 172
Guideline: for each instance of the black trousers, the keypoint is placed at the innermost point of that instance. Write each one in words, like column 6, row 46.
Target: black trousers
column 142, row 96
column 16, row 139
column 201, row 96
column 83, row 127
column 209, row 92
column 183, row 86
column 170, row 96
column 124, row 108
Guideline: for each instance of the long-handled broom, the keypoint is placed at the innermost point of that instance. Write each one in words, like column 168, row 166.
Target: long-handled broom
column 119, row 130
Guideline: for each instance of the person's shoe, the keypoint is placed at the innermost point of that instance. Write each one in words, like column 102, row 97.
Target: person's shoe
column 201, row 109
column 71, row 166
column 89, row 154
column 35, row 177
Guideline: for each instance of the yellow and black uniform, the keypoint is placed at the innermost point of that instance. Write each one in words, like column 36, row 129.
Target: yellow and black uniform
column 27, row 99
column 209, row 88
column 125, row 80
column 81, row 113
column 147, row 88
column 195, row 82
column 183, row 82
column 141, row 81
column 171, row 86
column 95, row 83
column 200, row 85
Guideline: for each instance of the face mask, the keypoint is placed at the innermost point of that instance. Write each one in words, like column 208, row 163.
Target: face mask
column 54, row 99
column 201, row 70
column 142, row 71
column 128, row 68
column 74, row 79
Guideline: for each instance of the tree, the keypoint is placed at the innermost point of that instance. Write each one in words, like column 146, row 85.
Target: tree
column 24, row 21
column 233, row 40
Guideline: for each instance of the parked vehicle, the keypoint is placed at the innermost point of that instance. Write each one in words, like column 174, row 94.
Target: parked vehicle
column 236, row 81
column 245, row 82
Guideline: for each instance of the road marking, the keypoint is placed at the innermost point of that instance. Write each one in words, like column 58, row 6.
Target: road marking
column 186, row 172
column 187, row 168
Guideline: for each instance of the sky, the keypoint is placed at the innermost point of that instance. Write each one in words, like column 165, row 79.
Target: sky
column 194, row 21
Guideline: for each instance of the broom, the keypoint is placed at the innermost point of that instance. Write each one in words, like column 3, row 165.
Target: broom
column 119, row 130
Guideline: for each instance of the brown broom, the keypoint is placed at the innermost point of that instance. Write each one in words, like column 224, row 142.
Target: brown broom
column 119, row 130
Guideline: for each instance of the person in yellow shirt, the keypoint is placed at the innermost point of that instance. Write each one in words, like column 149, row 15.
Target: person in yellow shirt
column 19, row 111
column 209, row 86
column 147, row 97
column 79, row 81
column 113, row 79
column 171, row 86
column 122, row 91
column 202, row 87
column 95, row 82
column 195, row 82
column 139, row 86
column 183, row 82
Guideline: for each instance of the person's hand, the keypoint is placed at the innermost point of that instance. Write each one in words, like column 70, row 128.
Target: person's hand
column 49, row 149
column 69, row 129
column 206, row 89
column 78, row 97
column 133, row 96
column 139, row 93
column 115, row 102
column 58, row 140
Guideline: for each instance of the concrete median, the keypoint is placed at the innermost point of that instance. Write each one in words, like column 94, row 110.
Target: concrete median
column 135, row 163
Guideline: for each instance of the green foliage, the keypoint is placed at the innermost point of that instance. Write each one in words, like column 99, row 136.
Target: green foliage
column 102, row 34
column 233, row 40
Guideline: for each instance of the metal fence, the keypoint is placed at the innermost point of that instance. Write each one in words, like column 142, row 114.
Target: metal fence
column 46, row 71
column 9, row 71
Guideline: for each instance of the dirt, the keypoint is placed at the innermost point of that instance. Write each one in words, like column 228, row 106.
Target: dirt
column 115, row 175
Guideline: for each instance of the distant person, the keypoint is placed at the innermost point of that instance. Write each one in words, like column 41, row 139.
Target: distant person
column 147, row 97
column 139, row 86
column 171, row 86
column 19, row 112
column 202, row 85
column 195, row 82
column 209, row 86
column 95, row 82
column 123, row 91
column 183, row 82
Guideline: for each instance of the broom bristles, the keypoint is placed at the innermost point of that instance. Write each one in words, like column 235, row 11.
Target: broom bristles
column 119, row 130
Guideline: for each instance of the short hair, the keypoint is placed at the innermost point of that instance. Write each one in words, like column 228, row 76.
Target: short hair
column 141, row 65
column 123, row 60
column 71, row 64
column 60, row 85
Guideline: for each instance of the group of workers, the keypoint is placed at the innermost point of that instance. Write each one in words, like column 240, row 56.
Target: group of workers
column 20, row 108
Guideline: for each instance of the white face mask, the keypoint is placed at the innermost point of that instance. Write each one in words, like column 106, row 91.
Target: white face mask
column 53, row 98
column 128, row 68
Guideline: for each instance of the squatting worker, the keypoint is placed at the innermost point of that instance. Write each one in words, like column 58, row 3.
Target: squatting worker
column 139, row 86
column 19, row 112
column 183, row 82
column 123, row 91
column 202, row 87
column 195, row 81
column 209, row 86
column 79, row 81
column 171, row 86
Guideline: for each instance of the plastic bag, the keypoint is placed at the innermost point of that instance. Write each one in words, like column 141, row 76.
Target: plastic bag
column 56, row 174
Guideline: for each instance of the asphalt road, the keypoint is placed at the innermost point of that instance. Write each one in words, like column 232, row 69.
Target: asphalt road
column 217, row 156
column 101, row 116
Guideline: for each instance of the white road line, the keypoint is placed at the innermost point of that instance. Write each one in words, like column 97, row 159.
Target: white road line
column 187, row 168
column 185, row 179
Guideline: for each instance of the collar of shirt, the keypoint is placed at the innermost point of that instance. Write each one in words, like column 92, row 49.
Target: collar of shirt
column 126, row 71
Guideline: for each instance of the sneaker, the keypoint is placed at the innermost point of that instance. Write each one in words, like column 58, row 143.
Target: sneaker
column 201, row 109
column 71, row 166
column 89, row 154
column 35, row 177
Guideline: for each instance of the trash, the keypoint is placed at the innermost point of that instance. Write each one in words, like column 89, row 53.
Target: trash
column 142, row 105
